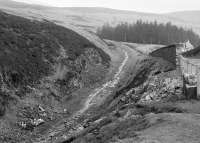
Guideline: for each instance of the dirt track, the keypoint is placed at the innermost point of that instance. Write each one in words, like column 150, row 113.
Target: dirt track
column 71, row 125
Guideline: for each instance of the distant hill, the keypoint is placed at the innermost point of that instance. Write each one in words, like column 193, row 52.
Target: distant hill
column 92, row 17
column 14, row 4
column 148, row 32
column 187, row 16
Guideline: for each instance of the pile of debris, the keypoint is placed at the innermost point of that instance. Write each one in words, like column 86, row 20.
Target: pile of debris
column 159, row 87
column 32, row 117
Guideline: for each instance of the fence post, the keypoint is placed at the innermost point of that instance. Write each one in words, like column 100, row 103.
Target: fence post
column 198, row 82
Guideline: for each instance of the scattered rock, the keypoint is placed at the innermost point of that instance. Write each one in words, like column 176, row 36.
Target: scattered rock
column 37, row 122
column 161, row 87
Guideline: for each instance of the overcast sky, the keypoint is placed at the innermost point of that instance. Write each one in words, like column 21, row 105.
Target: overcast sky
column 154, row 6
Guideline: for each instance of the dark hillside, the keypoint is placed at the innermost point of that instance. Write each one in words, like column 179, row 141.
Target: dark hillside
column 29, row 48
column 41, row 66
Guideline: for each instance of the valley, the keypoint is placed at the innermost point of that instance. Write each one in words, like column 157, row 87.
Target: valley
column 61, row 83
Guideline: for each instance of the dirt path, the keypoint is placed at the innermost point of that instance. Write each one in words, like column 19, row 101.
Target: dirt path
column 72, row 125
column 108, row 84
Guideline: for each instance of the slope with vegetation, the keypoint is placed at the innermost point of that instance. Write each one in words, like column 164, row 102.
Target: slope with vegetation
column 121, row 115
column 48, row 71
column 151, row 108
column 41, row 66
column 91, row 18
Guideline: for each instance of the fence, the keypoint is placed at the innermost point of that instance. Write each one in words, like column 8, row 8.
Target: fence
column 189, row 67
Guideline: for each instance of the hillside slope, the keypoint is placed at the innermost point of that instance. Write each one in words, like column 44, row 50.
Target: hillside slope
column 54, row 15
column 41, row 66
column 49, row 73
column 91, row 18
column 187, row 16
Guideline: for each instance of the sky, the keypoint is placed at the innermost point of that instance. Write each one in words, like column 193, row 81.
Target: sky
column 152, row 6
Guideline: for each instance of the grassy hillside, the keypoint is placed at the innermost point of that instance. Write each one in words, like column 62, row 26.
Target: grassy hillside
column 91, row 18
column 30, row 48
column 41, row 66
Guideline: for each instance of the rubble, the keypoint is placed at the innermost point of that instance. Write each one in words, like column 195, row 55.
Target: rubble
column 31, row 117
column 30, row 124
column 37, row 122
column 156, row 88
column 161, row 87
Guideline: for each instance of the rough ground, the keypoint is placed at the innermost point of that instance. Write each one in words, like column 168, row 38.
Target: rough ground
column 171, row 128
column 42, row 105
column 163, row 121
column 74, row 124
column 122, row 106
column 43, row 67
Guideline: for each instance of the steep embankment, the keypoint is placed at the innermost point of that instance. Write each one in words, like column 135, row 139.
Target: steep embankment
column 75, row 124
column 55, row 15
column 151, row 108
column 41, row 66
column 119, row 117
